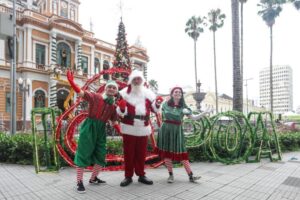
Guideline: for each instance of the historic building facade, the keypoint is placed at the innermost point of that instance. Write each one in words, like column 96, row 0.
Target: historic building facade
column 49, row 37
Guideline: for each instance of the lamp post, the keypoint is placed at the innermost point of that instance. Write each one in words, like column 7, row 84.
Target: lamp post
column 246, row 85
column 24, row 88
column 198, row 96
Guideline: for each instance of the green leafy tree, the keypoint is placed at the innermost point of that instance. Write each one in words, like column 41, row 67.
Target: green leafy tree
column 216, row 21
column 269, row 11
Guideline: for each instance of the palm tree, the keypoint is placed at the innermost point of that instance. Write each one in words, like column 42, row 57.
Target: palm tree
column 153, row 85
column 242, row 38
column 194, row 27
column 296, row 3
column 237, row 76
column 270, row 9
column 216, row 21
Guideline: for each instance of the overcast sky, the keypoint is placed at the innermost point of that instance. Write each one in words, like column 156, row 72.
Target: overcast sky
column 160, row 25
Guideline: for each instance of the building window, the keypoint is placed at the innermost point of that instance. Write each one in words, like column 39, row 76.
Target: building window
column 64, row 55
column 72, row 13
column 105, row 66
column 8, row 102
column 97, row 66
column 40, row 52
column 64, row 9
column 84, row 64
column 39, row 99
column 54, row 7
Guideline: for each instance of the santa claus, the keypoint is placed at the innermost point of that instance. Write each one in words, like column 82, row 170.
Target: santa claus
column 134, row 109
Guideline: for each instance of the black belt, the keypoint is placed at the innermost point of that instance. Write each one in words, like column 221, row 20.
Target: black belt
column 140, row 117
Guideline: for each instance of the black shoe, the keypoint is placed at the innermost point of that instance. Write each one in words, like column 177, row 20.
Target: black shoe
column 80, row 188
column 126, row 182
column 193, row 178
column 96, row 181
column 145, row 180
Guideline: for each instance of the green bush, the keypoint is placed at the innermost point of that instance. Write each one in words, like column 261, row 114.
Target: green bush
column 19, row 148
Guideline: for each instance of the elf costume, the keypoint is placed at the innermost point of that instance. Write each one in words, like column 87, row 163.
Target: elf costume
column 170, row 140
column 91, row 148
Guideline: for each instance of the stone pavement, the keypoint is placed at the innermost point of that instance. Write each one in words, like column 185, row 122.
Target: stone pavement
column 265, row 180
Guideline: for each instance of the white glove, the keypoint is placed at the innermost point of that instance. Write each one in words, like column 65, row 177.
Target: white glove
column 186, row 111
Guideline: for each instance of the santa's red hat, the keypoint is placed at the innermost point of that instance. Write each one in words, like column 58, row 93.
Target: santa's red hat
column 134, row 74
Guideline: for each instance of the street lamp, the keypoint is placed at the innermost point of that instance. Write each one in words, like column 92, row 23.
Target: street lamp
column 24, row 88
column 198, row 96
column 246, row 84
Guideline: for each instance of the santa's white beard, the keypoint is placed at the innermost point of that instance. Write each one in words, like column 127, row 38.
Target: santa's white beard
column 137, row 89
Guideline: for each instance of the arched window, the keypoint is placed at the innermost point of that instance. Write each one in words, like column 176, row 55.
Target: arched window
column 39, row 99
column 62, row 95
column 64, row 9
column 106, row 66
column 64, row 55
column 97, row 66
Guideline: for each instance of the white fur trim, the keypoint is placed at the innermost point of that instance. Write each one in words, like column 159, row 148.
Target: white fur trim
column 122, row 114
column 134, row 74
column 138, row 129
column 154, row 107
column 138, row 100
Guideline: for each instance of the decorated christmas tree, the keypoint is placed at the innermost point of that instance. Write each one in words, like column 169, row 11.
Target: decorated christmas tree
column 122, row 59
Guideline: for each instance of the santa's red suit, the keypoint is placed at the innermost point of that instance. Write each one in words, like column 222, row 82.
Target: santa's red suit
column 135, row 125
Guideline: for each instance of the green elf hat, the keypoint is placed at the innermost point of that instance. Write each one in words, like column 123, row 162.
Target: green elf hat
column 111, row 82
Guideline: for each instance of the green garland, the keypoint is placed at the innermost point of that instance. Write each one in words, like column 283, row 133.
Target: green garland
column 51, row 163
column 230, row 138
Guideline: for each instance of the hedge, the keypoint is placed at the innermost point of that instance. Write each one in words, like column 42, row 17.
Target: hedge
column 19, row 148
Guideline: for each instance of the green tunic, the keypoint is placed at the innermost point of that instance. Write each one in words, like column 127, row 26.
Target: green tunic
column 170, row 141
column 91, row 144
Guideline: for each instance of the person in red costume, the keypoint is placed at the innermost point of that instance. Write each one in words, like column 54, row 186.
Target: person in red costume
column 134, row 110
column 91, row 148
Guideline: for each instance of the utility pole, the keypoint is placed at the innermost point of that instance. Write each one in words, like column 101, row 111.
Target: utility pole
column 246, row 84
column 13, row 97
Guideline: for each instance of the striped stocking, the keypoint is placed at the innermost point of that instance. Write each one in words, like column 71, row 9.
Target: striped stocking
column 169, row 165
column 79, row 171
column 187, row 166
column 96, row 170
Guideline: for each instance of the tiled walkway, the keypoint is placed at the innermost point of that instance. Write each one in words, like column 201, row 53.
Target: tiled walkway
column 265, row 180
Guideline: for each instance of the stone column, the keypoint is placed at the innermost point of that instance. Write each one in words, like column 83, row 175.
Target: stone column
column 2, row 52
column 92, row 68
column 53, row 50
column 29, row 48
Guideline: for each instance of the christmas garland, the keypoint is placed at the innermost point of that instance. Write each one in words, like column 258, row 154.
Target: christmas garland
column 230, row 138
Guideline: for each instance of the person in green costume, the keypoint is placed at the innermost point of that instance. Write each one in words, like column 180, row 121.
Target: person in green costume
column 91, row 148
column 170, row 141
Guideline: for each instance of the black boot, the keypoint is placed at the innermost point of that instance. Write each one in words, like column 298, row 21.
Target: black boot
column 80, row 187
column 145, row 180
column 126, row 182
column 193, row 178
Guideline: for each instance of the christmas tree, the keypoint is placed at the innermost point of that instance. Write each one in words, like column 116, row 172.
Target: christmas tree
column 122, row 59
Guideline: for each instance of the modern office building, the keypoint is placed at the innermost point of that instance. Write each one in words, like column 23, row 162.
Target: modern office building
column 282, row 88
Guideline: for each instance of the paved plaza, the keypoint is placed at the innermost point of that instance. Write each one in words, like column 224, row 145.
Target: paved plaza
column 265, row 180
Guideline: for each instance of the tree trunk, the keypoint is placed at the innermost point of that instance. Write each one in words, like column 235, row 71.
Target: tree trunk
column 242, row 44
column 271, row 68
column 237, row 82
column 215, row 68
